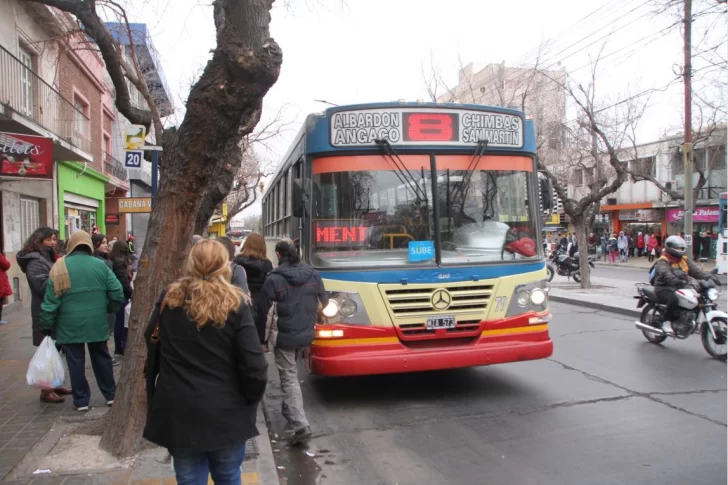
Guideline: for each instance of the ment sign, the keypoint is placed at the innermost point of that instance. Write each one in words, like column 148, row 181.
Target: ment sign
column 135, row 205
column 133, row 158
column 422, row 126
column 134, row 136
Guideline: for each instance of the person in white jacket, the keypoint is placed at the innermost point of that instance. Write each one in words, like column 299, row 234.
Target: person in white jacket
column 623, row 247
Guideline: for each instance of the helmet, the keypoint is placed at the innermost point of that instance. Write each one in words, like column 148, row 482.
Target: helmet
column 675, row 245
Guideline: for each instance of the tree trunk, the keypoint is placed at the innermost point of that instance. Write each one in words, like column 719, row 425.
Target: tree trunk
column 224, row 105
column 582, row 237
column 216, row 194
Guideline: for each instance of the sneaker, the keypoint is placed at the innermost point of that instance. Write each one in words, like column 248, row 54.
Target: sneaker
column 667, row 327
column 301, row 437
column 82, row 409
column 116, row 360
column 110, row 403
column 3, row 322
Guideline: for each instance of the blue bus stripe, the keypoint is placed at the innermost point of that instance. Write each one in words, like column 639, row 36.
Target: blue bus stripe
column 435, row 275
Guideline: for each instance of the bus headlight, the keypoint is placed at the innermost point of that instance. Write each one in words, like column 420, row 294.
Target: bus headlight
column 713, row 294
column 529, row 297
column 538, row 296
column 331, row 309
column 346, row 307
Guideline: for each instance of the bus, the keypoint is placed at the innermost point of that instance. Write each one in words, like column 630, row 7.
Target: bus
column 424, row 221
column 721, row 257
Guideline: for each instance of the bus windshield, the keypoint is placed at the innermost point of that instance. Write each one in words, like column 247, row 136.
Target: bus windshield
column 369, row 211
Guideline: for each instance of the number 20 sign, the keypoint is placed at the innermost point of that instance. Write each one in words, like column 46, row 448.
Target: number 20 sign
column 133, row 158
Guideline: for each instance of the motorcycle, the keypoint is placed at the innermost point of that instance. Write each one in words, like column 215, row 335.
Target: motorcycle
column 560, row 263
column 698, row 314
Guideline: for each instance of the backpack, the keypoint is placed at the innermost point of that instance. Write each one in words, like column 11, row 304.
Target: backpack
column 653, row 272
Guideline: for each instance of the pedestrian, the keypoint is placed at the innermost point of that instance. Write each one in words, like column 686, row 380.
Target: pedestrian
column 36, row 259
column 5, row 289
column 121, row 265
column 592, row 243
column 60, row 249
column 257, row 266
column 652, row 248
column 114, row 240
column 196, row 238
column 206, row 372
column 239, row 278
column 612, row 248
column 101, row 251
column 640, row 245
column 622, row 246
column 297, row 289
column 134, row 256
column 81, row 291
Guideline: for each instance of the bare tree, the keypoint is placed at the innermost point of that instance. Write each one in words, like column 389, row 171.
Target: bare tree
column 223, row 106
column 588, row 166
column 246, row 187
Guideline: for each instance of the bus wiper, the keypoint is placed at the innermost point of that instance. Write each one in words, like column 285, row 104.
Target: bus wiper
column 402, row 173
column 479, row 152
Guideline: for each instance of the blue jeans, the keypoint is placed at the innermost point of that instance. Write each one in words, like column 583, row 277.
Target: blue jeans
column 120, row 331
column 223, row 465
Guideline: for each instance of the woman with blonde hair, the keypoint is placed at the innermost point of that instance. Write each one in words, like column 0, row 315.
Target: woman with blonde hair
column 205, row 371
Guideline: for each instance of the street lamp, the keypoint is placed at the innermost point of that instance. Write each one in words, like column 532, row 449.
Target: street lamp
column 325, row 102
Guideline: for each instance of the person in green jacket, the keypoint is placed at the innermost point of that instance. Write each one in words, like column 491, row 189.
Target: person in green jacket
column 81, row 291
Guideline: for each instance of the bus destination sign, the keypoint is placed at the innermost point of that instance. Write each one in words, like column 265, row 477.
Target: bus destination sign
column 412, row 126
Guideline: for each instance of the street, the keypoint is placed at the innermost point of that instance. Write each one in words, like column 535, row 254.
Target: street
column 607, row 408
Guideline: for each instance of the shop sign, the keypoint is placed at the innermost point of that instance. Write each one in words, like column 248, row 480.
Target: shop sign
column 700, row 214
column 135, row 205
column 26, row 155
column 553, row 220
column 641, row 215
column 112, row 219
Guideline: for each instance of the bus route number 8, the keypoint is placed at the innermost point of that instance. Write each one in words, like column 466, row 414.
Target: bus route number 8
column 429, row 127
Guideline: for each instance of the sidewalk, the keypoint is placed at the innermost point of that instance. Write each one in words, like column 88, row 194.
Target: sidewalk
column 608, row 294
column 643, row 263
column 30, row 430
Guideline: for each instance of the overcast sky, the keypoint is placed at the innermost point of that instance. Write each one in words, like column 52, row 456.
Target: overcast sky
column 354, row 51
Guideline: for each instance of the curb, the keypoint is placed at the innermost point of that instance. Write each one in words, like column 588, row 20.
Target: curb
column 267, row 472
column 597, row 306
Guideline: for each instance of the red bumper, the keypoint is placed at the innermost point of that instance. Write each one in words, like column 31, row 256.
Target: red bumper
column 380, row 351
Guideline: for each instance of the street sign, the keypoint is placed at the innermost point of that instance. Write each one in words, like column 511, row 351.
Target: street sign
column 134, row 136
column 688, row 239
column 135, row 205
column 133, row 158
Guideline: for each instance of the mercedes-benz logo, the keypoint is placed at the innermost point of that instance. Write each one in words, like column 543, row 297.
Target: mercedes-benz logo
column 441, row 299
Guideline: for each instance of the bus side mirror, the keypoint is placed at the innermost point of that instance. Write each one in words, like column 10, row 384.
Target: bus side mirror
column 546, row 191
column 300, row 194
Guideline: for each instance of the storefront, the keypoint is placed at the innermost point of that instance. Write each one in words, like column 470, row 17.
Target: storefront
column 646, row 221
column 26, row 200
column 81, row 199
column 705, row 226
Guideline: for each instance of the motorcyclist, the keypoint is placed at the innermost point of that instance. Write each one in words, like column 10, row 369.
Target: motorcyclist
column 672, row 270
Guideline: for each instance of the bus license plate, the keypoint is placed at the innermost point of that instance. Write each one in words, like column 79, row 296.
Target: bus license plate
column 434, row 323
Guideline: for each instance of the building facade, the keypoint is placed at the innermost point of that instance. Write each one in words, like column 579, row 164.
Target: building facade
column 60, row 134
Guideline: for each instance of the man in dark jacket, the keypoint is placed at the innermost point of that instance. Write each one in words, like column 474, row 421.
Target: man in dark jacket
column 297, row 289
column 671, row 274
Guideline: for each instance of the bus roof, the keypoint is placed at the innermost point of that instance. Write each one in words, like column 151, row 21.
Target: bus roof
column 342, row 129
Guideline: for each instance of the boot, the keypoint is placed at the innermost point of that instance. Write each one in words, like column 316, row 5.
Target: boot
column 51, row 397
column 62, row 391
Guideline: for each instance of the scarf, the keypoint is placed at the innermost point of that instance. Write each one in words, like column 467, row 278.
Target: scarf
column 677, row 262
column 59, row 273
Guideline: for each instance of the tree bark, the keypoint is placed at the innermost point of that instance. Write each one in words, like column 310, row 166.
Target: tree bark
column 223, row 106
column 582, row 230
column 214, row 195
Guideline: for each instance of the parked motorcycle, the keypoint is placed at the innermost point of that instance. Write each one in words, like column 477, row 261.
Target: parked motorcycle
column 560, row 263
column 698, row 314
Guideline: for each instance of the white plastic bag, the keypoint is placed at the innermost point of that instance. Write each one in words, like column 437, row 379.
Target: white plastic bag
column 46, row 370
column 127, row 314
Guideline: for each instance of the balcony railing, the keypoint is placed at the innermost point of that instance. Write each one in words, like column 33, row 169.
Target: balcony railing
column 114, row 167
column 28, row 94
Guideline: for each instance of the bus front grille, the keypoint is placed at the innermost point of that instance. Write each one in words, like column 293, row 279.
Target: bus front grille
column 407, row 302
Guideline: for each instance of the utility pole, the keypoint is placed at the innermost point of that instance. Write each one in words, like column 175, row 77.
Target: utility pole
column 688, row 140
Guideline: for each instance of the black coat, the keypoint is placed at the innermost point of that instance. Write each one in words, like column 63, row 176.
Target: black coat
column 210, row 382
column 121, row 270
column 37, row 268
column 297, row 290
column 256, row 270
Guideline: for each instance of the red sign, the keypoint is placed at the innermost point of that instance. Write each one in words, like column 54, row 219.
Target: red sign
column 112, row 219
column 339, row 233
column 26, row 155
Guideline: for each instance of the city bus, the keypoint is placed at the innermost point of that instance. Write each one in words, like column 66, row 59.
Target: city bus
column 721, row 256
column 424, row 221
